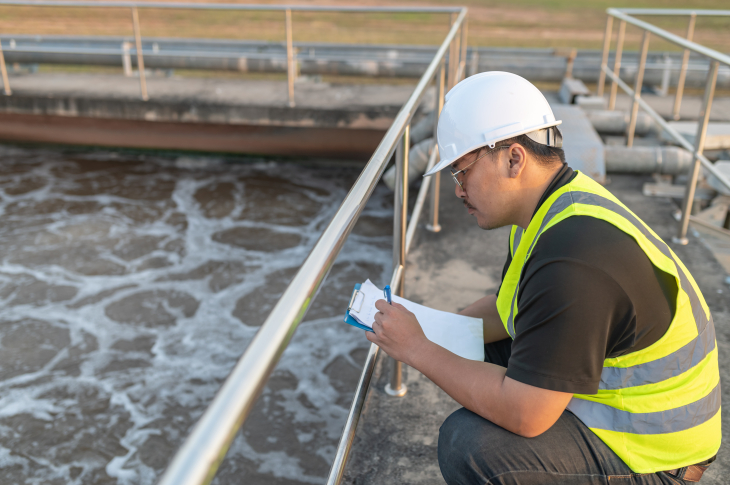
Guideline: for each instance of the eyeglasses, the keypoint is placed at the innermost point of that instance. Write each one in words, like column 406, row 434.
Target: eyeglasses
column 455, row 174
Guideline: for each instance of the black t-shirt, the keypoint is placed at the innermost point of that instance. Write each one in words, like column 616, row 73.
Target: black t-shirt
column 587, row 292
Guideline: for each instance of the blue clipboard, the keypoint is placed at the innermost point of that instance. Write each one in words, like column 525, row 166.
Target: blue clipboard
column 348, row 319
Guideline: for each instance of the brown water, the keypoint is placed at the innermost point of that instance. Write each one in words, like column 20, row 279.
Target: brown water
column 130, row 285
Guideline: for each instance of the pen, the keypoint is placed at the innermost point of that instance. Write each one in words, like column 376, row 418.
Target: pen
column 386, row 290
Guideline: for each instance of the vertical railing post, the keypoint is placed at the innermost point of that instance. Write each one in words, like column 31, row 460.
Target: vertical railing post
column 127, row 59
column 604, row 57
column 396, row 387
column 454, row 79
column 683, row 69
column 637, row 89
column 704, row 120
column 434, row 225
column 291, row 72
column 4, row 71
column 140, row 57
column 617, row 63
column 474, row 63
column 453, row 61
column 462, row 56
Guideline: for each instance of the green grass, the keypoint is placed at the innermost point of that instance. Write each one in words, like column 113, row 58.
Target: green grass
column 514, row 23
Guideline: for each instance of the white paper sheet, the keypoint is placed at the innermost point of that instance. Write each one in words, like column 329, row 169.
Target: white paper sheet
column 364, row 311
column 461, row 335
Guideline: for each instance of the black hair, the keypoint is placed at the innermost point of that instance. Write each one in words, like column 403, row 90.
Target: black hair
column 545, row 155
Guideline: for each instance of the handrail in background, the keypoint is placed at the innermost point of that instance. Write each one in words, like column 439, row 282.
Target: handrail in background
column 624, row 15
column 291, row 65
column 358, row 401
column 229, row 6
column 674, row 12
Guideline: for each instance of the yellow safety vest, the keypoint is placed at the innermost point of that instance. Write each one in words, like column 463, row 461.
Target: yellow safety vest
column 657, row 408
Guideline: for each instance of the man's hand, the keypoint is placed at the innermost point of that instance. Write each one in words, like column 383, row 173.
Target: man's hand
column 397, row 331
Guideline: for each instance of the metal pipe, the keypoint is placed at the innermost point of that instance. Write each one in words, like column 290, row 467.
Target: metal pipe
column 617, row 122
column 683, row 69
column 699, row 147
column 396, row 387
column 202, row 452
column 617, row 63
column 434, row 225
column 4, row 71
column 290, row 71
column 604, row 56
column 637, row 89
column 338, row 59
column 140, row 58
column 678, row 138
column 671, row 160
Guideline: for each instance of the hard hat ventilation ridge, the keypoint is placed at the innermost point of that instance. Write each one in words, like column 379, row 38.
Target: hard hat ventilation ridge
column 548, row 136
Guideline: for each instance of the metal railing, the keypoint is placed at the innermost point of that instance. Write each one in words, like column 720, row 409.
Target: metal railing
column 202, row 452
column 134, row 7
column 320, row 58
column 716, row 58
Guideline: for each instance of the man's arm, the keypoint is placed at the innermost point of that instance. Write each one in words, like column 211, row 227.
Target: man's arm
column 486, row 309
column 480, row 387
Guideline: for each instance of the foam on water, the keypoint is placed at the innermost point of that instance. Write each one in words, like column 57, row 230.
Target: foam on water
column 131, row 285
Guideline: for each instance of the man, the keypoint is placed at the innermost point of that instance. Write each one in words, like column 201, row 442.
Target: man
column 601, row 363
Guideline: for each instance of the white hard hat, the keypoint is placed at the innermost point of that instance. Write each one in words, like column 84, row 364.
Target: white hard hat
column 489, row 107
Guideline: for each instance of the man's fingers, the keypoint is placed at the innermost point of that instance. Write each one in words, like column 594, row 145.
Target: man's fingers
column 379, row 317
column 382, row 305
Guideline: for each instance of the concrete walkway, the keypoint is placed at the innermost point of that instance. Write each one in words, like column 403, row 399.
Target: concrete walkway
column 396, row 440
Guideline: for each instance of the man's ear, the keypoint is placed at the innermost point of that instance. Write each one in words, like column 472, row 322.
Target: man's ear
column 517, row 159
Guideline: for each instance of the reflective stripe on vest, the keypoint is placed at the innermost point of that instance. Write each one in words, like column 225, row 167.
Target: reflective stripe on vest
column 657, row 408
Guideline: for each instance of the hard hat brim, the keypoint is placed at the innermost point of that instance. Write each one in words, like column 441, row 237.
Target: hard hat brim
column 442, row 164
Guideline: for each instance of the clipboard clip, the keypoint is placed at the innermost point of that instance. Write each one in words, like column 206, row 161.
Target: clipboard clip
column 353, row 301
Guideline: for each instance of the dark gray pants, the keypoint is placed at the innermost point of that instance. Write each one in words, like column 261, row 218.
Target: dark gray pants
column 474, row 451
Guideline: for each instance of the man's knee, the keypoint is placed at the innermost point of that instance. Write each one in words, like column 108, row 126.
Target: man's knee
column 462, row 441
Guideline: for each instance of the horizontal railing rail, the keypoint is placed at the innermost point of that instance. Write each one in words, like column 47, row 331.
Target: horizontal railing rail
column 231, row 6
column 202, row 452
column 673, row 12
column 716, row 58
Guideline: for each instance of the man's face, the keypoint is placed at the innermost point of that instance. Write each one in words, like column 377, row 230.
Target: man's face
column 486, row 187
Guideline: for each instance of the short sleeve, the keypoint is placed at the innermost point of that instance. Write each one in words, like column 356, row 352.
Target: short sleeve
column 569, row 311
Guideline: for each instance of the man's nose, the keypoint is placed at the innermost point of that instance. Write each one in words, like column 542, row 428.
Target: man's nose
column 460, row 192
